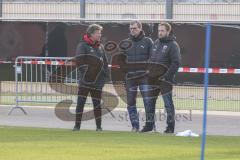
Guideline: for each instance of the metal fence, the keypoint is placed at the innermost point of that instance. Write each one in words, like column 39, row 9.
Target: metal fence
column 32, row 83
column 33, row 86
column 75, row 10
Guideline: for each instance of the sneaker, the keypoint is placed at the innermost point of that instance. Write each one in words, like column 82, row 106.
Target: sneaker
column 146, row 129
column 169, row 131
column 99, row 129
column 135, row 129
column 76, row 128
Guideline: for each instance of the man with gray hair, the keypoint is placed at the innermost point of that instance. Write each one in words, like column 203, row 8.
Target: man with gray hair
column 90, row 46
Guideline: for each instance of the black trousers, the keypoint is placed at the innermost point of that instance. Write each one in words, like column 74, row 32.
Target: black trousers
column 96, row 94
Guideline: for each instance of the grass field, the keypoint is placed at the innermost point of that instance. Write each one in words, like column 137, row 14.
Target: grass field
column 61, row 144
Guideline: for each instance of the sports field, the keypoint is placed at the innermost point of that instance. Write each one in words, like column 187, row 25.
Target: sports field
column 62, row 144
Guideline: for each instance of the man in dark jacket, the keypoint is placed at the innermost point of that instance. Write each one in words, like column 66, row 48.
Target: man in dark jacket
column 166, row 51
column 139, row 52
column 91, row 52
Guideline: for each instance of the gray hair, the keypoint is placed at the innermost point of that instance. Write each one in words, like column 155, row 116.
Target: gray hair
column 139, row 24
column 92, row 28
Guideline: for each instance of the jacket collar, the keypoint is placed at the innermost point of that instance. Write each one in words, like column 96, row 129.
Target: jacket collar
column 139, row 37
column 87, row 39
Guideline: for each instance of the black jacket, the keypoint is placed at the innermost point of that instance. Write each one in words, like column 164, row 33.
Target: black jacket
column 167, row 51
column 139, row 51
column 85, row 48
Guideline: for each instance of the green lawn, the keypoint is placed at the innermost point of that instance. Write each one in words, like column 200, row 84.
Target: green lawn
column 62, row 144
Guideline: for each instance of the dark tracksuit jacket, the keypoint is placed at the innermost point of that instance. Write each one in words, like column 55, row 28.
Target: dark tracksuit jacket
column 139, row 52
column 86, row 49
column 167, row 51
